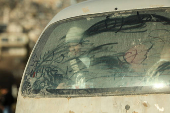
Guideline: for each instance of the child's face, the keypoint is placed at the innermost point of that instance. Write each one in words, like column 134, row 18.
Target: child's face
column 74, row 48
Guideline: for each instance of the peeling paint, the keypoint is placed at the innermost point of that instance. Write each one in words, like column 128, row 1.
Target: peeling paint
column 160, row 109
column 69, row 98
column 71, row 112
column 145, row 103
column 116, row 104
column 85, row 10
column 134, row 112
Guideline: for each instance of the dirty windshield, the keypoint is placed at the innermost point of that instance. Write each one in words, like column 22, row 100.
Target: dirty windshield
column 103, row 51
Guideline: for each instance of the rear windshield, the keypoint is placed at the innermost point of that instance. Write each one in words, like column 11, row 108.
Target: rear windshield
column 110, row 53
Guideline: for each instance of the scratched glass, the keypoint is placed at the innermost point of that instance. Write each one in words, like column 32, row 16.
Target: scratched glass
column 89, row 54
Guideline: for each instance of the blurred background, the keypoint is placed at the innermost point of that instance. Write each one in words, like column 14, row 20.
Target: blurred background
column 21, row 23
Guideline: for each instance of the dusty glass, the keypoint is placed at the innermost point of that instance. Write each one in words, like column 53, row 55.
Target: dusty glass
column 102, row 52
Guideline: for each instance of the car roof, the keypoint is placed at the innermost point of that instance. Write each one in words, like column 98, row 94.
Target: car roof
column 100, row 6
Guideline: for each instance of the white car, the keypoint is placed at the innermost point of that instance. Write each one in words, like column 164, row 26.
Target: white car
column 101, row 56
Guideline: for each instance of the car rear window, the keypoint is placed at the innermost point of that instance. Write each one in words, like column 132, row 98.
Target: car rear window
column 101, row 53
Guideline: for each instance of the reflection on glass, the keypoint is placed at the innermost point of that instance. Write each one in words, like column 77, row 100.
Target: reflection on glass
column 159, row 85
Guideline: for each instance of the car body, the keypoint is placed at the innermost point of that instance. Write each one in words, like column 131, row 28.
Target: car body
column 101, row 56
